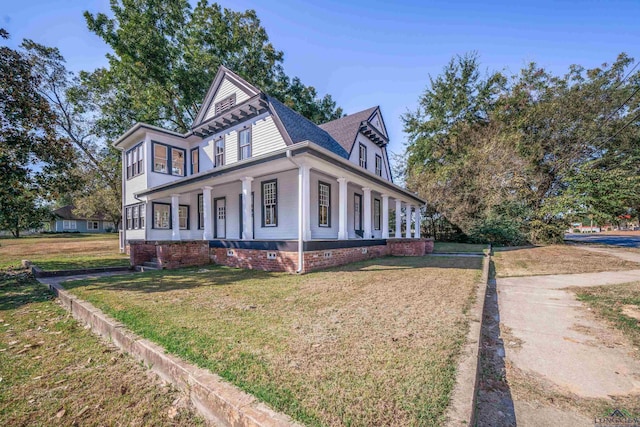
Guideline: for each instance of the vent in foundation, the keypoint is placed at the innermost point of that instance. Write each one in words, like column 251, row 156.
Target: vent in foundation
column 365, row 250
column 328, row 254
column 230, row 252
column 271, row 255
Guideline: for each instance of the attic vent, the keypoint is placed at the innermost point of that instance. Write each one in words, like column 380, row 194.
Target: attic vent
column 225, row 104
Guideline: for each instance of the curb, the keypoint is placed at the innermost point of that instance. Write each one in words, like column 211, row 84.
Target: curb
column 38, row 272
column 461, row 410
column 216, row 400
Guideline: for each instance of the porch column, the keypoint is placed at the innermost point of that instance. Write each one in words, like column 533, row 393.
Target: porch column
column 247, row 227
column 343, row 207
column 366, row 214
column 418, row 220
column 207, row 212
column 407, row 232
column 385, row 216
column 398, row 219
column 175, row 217
column 304, row 192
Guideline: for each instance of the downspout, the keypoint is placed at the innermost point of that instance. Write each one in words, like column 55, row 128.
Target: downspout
column 123, row 213
column 300, row 218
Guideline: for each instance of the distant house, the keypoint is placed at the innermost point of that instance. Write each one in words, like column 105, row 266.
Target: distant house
column 67, row 221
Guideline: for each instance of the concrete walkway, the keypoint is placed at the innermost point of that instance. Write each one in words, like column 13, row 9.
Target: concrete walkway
column 556, row 338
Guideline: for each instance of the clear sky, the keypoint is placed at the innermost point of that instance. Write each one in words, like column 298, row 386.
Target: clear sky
column 372, row 52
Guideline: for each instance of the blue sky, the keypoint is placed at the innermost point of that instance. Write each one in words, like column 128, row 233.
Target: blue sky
column 367, row 53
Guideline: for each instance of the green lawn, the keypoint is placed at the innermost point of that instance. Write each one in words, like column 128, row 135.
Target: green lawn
column 63, row 251
column 372, row 343
column 450, row 247
column 55, row 372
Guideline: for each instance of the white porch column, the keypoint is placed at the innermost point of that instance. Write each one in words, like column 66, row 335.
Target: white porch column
column 407, row 232
column 343, row 207
column 385, row 216
column 418, row 220
column 366, row 214
column 175, row 217
column 304, row 192
column 398, row 219
column 247, row 227
column 207, row 212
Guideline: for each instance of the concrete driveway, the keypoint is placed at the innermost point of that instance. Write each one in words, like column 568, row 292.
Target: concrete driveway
column 622, row 240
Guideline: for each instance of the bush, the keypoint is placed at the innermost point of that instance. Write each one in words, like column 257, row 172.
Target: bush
column 498, row 231
column 551, row 231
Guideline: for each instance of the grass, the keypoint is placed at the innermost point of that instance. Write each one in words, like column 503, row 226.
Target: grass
column 450, row 247
column 63, row 251
column 55, row 372
column 555, row 259
column 373, row 343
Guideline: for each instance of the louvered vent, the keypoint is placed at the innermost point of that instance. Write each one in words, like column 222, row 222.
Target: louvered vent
column 225, row 104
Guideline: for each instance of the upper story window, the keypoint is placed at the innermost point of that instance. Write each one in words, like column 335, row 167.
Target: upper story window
column 324, row 204
column 363, row 156
column 225, row 104
column 164, row 155
column 378, row 165
column 135, row 161
column 270, row 203
column 244, row 140
column 195, row 160
column 219, row 152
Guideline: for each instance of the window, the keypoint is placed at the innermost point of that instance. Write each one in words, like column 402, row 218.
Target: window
column 376, row 214
column 129, row 218
column 69, row 224
column 200, row 211
column 219, row 152
column 357, row 212
column 363, row 156
column 270, row 203
column 225, row 104
column 93, row 225
column 162, row 216
column 195, row 160
column 135, row 163
column 183, row 217
column 378, row 165
column 244, row 137
column 163, row 156
column 136, row 216
column 324, row 204
column 143, row 214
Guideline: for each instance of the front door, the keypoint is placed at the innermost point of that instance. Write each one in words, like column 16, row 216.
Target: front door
column 357, row 214
column 220, row 208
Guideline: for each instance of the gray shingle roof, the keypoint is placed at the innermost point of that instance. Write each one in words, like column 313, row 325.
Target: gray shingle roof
column 66, row 212
column 301, row 129
column 345, row 129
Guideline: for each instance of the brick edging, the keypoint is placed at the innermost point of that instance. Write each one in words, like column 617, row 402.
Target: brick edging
column 217, row 400
column 461, row 410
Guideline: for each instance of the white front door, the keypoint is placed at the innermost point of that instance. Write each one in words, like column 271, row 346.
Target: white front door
column 221, row 218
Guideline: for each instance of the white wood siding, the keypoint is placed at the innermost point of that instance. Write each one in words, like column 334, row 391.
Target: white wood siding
column 372, row 150
column 287, row 227
column 225, row 90
column 318, row 232
column 265, row 137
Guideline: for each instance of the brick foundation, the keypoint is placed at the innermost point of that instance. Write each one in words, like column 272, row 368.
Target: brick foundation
column 184, row 254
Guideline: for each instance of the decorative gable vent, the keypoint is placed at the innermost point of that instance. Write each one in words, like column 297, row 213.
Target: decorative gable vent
column 225, row 104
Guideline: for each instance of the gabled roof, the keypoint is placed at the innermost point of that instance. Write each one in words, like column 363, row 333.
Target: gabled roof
column 345, row 129
column 299, row 128
column 66, row 212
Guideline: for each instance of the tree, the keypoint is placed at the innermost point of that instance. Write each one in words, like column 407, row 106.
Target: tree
column 165, row 56
column 35, row 164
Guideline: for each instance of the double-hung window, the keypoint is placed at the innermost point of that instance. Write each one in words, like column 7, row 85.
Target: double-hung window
column 177, row 161
column 169, row 160
column 200, row 211
column 183, row 217
column 363, row 156
column 195, row 160
column 270, row 203
column 378, row 165
column 244, row 141
column 143, row 213
column 93, row 225
column 69, row 224
column 376, row 214
column 135, row 161
column 219, row 152
column 136, row 216
column 162, row 216
column 324, row 204
column 129, row 218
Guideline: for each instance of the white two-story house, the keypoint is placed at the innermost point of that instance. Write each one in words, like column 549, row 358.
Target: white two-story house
column 263, row 187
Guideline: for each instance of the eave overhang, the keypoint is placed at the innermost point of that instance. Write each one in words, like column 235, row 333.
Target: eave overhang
column 372, row 133
column 248, row 109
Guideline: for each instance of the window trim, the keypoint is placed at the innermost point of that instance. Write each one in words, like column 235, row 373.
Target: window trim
column 69, row 221
column 328, row 224
column 378, row 162
column 188, row 227
column 216, row 219
column 358, row 196
column 248, row 130
column 200, row 211
column 194, row 150
column 224, row 151
column 262, row 185
column 377, row 209
column 153, row 215
column 139, row 164
column 360, row 159
column 92, row 221
column 170, row 149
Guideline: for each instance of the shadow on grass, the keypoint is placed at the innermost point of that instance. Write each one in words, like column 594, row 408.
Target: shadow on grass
column 396, row 263
column 21, row 289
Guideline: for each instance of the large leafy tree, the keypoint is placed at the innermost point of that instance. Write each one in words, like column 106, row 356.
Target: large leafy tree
column 35, row 163
column 165, row 55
